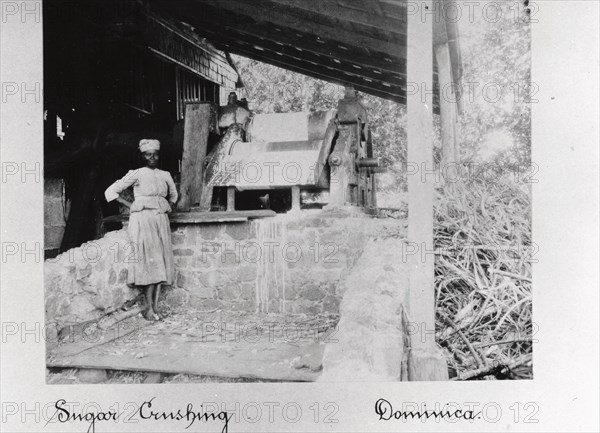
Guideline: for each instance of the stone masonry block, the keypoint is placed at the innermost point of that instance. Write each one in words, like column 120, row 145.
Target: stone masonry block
column 239, row 231
column 186, row 252
column 214, row 278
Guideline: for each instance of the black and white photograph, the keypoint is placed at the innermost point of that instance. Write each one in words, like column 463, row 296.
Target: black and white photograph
column 287, row 191
column 329, row 199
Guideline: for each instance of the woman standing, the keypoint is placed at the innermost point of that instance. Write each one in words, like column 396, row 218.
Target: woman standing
column 149, row 228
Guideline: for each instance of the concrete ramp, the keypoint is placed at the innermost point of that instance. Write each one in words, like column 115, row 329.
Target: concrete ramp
column 370, row 335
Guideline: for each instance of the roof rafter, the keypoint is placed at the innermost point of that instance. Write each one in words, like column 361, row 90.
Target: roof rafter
column 394, row 93
column 186, row 11
column 350, row 42
column 343, row 67
column 332, row 8
column 262, row 11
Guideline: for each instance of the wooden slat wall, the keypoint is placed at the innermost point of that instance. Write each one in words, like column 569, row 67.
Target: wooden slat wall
column 191, row 88
column 133, row 85
column 188, row 53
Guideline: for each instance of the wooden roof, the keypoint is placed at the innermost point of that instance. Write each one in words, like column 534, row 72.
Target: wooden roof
column 349, row 42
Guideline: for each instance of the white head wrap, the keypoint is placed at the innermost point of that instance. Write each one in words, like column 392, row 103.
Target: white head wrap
column 149, row 145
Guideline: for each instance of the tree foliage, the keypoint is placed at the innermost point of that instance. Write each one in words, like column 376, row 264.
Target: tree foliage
column 497, row 74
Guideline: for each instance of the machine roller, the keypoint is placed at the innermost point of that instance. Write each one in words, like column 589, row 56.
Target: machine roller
column 291, row 161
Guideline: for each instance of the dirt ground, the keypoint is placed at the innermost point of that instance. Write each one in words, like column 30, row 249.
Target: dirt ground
column 192, row 346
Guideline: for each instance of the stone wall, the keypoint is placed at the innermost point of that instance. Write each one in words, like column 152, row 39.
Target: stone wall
column 292, row 263
column 286, row 264
column 87, row 282
column 371, row 336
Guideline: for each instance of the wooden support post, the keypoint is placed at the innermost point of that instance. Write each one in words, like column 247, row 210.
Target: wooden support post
column 373, row 192
column 80, row 209
column 295, row 198
column 81, row 203
column 195, row 142
column 448, row 106
column 230, row 198
column 425, row 361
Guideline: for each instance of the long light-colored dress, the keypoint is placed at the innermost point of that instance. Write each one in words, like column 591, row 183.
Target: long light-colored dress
column 149, row 229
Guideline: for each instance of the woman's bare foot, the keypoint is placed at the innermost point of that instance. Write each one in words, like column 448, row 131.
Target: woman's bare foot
column 149, row 314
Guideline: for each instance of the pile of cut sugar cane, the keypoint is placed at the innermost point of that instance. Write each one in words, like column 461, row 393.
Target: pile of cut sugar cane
column 483, row 278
